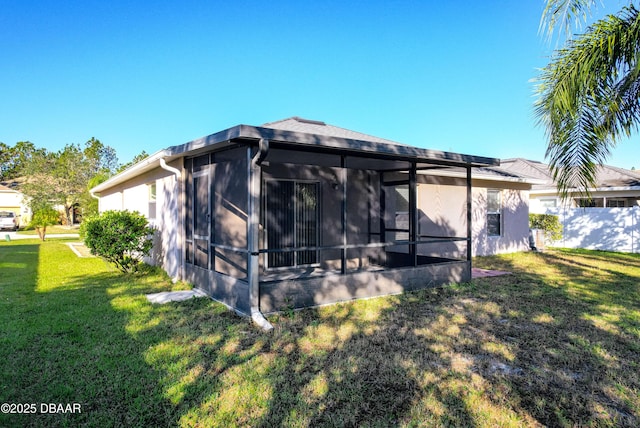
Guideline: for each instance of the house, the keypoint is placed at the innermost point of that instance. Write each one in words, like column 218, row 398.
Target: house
column 302, row 213
column 608, row 219
column 11, row 199
column 615, row 188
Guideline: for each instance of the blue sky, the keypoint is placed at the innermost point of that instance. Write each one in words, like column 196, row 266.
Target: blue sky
column 453, row 76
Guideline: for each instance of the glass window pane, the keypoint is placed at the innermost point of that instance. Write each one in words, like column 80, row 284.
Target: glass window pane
column 493, row 224
column 494, row 203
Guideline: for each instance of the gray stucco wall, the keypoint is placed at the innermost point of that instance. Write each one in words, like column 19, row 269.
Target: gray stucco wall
column 277, row 296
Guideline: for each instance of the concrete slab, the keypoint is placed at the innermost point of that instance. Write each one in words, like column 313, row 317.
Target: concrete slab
column 174, row 296
column 484, row 273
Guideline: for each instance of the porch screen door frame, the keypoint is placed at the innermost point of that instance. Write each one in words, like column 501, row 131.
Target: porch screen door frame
column 202, row 219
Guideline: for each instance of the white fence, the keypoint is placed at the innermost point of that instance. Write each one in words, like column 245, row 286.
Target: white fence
column 609, row 229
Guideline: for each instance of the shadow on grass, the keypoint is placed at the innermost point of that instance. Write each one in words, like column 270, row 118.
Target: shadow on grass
column 65, row 344
column 553, row 344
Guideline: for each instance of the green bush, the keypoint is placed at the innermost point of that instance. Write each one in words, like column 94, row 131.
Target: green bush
column 549, row 224
column 120, row 237
column 44, row 216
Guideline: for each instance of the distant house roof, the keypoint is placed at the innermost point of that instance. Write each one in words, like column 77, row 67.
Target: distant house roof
column 298, row 133
column 607, row 177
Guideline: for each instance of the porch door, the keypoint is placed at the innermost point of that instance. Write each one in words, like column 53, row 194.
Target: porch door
column 201, row 218
column 292, row 219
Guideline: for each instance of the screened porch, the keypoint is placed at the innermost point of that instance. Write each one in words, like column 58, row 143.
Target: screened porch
column 314, row 225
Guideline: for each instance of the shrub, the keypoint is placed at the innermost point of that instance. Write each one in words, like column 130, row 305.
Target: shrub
column 44, row 216
column 549, row 224
column 120, row 237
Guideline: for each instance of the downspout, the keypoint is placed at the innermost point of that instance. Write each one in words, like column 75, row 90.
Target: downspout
column 254, row 234
column 176, row 171
column 178, row 174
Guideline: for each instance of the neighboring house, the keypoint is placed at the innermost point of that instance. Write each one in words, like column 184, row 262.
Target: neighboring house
column 302, row 213
column 607, row 220
column 12, row 200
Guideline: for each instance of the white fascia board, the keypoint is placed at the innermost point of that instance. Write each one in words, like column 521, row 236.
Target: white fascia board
column 147, row 164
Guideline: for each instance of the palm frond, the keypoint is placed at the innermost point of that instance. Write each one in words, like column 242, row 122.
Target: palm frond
column 588, row 97
column 566, row 13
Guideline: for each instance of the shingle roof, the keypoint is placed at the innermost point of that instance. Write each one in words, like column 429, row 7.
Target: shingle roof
column 298, row 124
column 296, row 133
column 607, row 176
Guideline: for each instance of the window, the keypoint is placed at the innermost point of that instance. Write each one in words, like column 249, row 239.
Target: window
column 292, row 221
column 494, row 212
column 616, row 203
column 589, row 203
column 548, row 202
column 152, row 200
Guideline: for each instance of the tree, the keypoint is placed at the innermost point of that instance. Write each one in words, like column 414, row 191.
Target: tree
column 43, row 216
column 137, row 158
column 588, row 95
column 61, row 178
column 13, row 160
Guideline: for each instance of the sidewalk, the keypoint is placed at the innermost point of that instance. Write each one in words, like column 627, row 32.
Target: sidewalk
column 13, row 236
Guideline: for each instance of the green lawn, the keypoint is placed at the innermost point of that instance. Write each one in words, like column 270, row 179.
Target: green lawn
column 557, row 344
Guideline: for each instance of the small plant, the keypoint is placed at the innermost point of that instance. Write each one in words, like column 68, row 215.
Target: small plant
column 289, row 308
column 120, row 237
column 42, row 217
column 549, row 224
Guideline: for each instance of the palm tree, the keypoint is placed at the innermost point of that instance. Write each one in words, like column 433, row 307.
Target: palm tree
column 588, row 95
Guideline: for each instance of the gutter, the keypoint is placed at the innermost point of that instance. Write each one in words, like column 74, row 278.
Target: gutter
column 178, row 174
column 134, row 170
column 253, row 229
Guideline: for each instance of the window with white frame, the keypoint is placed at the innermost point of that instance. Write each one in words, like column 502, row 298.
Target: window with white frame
column 548, row 202
column 494, row 212
column 151, row 187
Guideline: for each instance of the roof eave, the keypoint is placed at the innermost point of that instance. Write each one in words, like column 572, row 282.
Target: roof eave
column 297, row 139
column 147, row 164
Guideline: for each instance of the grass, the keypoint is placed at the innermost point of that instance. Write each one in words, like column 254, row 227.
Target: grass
column 557, row 343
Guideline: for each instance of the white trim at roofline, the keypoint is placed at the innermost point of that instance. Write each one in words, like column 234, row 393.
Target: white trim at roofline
column 554, row 191
column 151, row 162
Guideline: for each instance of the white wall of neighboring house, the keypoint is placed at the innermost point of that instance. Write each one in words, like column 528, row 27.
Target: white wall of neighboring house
column 11, row 200
column 606, row 229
